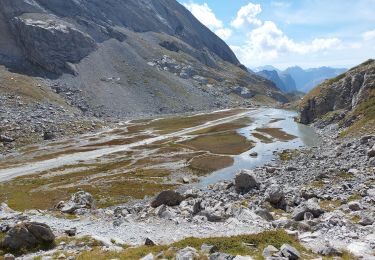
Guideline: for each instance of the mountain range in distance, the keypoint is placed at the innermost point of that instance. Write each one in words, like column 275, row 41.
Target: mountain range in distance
column 296, row 78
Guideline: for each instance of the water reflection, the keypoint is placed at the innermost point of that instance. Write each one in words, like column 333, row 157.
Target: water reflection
column 266, row 118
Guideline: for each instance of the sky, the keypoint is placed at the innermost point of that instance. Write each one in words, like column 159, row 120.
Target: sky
column 283, row 33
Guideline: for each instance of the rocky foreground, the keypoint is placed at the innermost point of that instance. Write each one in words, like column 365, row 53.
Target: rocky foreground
column 323, row 196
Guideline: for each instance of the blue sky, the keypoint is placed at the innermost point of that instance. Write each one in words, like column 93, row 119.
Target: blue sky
column 282, row 33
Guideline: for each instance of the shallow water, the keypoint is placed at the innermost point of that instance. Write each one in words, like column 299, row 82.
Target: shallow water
column 305, row 136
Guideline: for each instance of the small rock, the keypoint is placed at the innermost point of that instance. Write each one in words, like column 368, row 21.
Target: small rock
column 254, row 154
column 290, row 252
column 6, row 139
column 354, row 206
column 71, row 232
column 245, row 181
column 269, row 251
column 275, row 195
column 150, row 256
column 221, row 256
column 9, row 257
column 208, row 249
column 240, row 257
column 169, row 198
column 329, row 251
column 48, row 136
column 185, row 180
column 61, row 256
column 311, row 206
column 371, row 152
column 149, row 242
column 291, row 169
column 366, row 221
column 187, row 253
column 263, row 213
column 270, row 169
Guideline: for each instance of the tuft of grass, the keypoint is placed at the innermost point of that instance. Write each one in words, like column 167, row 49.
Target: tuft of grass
column 288, row 155
column 354, row 197
column 330, row 205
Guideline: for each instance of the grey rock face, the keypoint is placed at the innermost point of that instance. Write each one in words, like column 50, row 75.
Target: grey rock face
column 342, row 93
column 50, row 42
column 169, row 198
column 28, row 235
column 245, row 181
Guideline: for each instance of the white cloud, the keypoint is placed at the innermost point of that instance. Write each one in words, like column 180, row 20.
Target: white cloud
column 268, row 42
column 206, row 16
column 224, row 33
column 247, row 14
column 368, row 36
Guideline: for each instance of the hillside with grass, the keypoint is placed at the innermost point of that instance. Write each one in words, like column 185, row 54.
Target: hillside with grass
column 348, row 100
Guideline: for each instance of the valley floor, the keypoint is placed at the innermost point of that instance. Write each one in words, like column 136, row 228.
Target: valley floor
column 319, row 199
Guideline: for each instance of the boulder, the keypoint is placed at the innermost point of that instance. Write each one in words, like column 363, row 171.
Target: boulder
column 221, row 256
column 245, row 181
column 187, row 253
column 169, row 198
column 311, row 206
column 290, row 252
column 29, row 235
column 263, row 213
column 270, row 169
column 269, row 251
column 275, row 196
column 208, row 249
column 79, row 200
column 149, row 242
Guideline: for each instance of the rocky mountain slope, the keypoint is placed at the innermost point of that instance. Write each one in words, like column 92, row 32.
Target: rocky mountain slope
column 348, row 99
column 283, row 81
column 310, row 78
column 125, row 58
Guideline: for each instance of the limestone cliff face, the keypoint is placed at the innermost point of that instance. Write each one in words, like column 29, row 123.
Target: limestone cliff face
column 50, row 42
column 345, row 93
